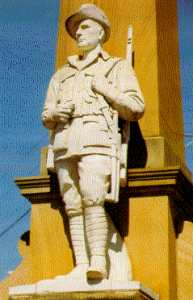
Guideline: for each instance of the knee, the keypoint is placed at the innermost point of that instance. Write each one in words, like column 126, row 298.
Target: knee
column 89, row 202
column 92, row 195
column 93, row 190
column 73, row 204
column 72, row 201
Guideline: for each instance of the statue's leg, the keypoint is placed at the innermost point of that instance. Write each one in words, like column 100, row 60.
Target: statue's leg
column 94, row 171
column 68, row 181
column 97, row 233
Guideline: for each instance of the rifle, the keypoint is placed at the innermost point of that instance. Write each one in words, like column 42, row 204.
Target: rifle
column 119, row 149
column 126, row 125
column 112, row 123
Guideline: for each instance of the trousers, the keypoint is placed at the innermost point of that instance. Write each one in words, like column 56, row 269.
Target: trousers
column 84, row 181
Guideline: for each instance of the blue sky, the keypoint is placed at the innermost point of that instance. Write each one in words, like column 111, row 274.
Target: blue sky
column 28, row 31
column 185, row 13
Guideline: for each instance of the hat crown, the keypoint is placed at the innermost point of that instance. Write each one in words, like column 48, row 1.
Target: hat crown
column 91, row 9
column 88, row 11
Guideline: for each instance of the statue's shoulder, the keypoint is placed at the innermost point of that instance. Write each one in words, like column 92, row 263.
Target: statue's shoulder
column 62, row 73
column 119, row 66
column 112, row 59
column 121, row 62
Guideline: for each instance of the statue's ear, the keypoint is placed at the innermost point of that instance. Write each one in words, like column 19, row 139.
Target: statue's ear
column 102, row 35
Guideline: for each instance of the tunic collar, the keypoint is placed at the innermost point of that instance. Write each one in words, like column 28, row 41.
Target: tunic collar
column 75, row 60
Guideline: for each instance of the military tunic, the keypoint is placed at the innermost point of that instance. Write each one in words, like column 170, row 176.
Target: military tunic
column 87, row 131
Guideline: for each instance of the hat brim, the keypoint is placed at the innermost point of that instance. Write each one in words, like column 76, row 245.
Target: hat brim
column 74, row 20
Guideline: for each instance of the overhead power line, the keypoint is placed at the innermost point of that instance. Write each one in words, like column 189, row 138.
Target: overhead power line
column 15, row 222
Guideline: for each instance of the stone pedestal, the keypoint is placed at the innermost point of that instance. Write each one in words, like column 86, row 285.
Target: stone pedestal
column 149, row 215
column 56, row 290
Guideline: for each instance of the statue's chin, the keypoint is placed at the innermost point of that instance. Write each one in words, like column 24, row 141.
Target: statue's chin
column 86, row 48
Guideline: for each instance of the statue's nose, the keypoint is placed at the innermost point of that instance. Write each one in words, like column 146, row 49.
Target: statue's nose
column 78, row 33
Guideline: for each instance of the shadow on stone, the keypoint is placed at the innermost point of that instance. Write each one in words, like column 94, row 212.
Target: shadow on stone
column 137, row 152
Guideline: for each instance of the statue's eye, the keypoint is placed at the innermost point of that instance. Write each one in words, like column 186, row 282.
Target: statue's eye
column 84, row 26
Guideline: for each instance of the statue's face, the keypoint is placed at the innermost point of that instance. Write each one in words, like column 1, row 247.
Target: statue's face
column 89, row 34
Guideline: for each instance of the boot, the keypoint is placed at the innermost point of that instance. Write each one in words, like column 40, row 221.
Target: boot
column 97, row 231
column 77, row 232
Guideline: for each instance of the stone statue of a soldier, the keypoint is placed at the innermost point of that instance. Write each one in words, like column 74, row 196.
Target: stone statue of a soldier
column 83, row 102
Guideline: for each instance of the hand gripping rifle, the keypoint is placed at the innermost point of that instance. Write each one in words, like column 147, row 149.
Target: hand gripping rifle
column 119, row 148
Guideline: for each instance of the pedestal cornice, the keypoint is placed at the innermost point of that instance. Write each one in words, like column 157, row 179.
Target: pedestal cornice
column 170, row 181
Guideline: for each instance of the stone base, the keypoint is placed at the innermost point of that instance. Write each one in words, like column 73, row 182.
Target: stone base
column 108, row 295
column 105, row 290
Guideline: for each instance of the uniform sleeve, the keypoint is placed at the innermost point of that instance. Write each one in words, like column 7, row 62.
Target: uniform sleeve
column 125, row 94
column 50, row 103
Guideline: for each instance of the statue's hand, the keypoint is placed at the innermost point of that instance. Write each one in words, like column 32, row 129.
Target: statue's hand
column 63, row 112
column 48, row 120
column 60, row 116
column 100, row 85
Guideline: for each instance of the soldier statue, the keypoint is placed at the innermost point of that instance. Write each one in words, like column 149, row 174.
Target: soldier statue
column 85, row 98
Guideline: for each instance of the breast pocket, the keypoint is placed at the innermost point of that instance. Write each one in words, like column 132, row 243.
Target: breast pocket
column 66, row 89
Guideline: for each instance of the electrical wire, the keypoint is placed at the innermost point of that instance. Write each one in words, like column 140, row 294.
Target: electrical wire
column 15, row 222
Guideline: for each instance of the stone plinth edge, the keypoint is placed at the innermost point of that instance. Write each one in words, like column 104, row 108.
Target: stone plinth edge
column 108, row 295
column 103, row 291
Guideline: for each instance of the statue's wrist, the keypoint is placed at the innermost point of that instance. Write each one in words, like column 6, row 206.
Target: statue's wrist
column 61, row 118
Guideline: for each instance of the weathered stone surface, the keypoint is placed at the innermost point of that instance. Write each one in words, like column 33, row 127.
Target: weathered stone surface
column 108, row 295
column 71, row 289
